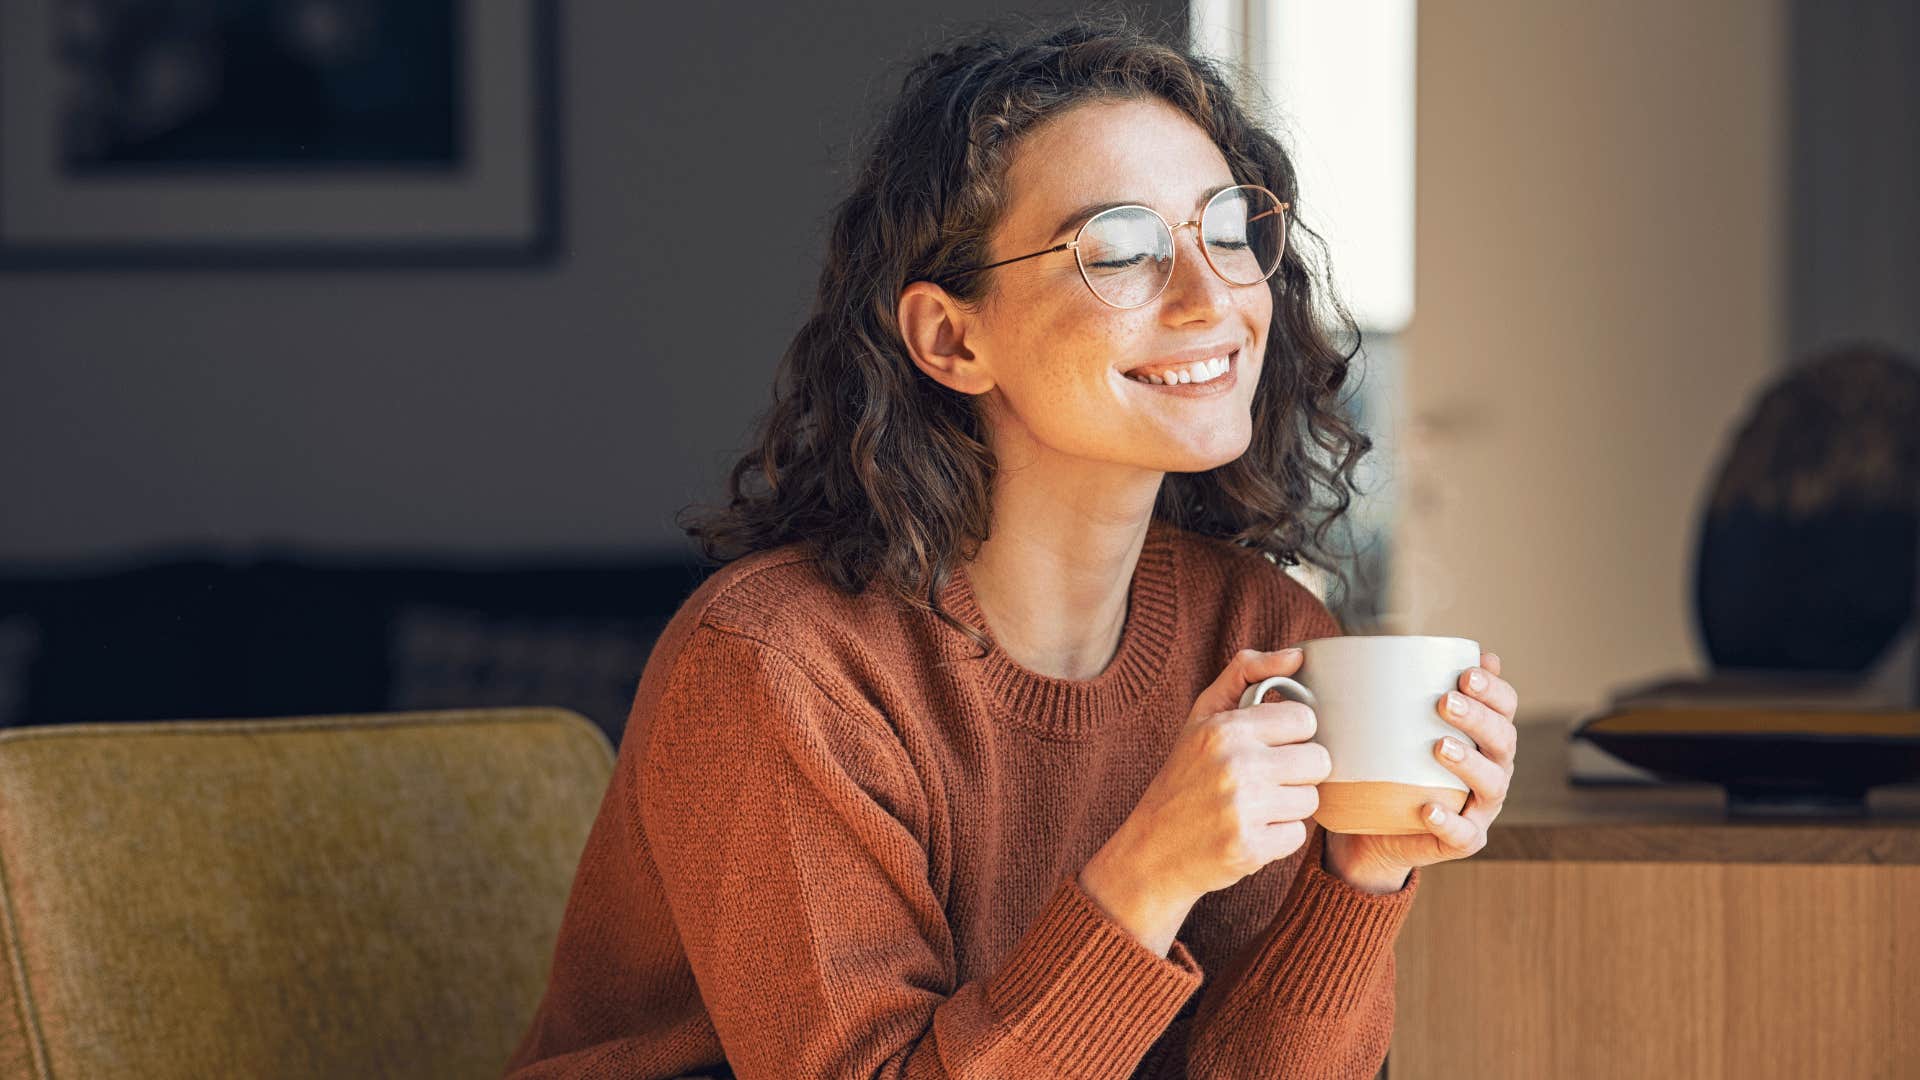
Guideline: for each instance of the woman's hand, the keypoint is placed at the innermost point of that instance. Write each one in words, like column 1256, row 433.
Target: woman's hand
column 1234, row 794
column 1381, row 863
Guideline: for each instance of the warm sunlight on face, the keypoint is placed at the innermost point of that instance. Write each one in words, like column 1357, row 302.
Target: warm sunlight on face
column 1056, row 353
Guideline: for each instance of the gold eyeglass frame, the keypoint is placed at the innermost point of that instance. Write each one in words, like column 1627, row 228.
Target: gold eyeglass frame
column 1173, row 245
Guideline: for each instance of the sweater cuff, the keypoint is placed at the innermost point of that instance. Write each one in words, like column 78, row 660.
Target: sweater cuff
column 1080, row 988
column 1329, row 938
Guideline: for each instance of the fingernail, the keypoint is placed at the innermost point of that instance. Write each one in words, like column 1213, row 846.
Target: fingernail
column 1451, row 749
column 1288, row 654
column 1476, row 680
column 1433, row 813
column 1456, row 704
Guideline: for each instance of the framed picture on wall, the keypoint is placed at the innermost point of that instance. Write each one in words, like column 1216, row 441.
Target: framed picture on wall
column 260, row 133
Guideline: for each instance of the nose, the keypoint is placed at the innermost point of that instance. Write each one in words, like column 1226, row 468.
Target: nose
column 1194, row 291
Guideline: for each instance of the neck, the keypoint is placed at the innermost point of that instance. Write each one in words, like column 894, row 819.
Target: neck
column 1053, row 577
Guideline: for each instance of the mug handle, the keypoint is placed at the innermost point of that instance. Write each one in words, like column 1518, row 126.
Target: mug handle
column 1289, row 687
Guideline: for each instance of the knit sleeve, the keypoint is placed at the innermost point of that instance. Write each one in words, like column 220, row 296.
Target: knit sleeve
column 1312, row 994
column 789, row 830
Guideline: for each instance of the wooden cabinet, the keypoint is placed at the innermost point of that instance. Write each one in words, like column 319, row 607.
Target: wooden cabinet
column 1638, row 932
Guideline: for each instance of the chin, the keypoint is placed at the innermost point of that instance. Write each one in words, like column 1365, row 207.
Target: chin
column 1204, row 459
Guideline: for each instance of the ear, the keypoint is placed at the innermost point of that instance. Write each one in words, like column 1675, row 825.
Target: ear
column 935, row 328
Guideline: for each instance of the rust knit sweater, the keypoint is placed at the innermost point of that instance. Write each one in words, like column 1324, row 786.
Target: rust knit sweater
column 837, row 846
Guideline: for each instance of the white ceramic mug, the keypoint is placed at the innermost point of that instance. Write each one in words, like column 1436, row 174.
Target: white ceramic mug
column 1375, row 702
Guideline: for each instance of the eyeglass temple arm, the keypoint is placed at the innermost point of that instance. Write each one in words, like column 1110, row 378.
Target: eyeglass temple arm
column 1019, row 258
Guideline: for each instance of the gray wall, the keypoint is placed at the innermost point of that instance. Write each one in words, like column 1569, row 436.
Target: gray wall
column 573, row 408
column 1599, row 250
column 1855, row 270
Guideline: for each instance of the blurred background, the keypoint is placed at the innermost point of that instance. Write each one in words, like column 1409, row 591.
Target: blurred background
column 359, row 356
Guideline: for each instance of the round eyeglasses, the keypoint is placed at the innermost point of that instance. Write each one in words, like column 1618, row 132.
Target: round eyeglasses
column 1126, row 252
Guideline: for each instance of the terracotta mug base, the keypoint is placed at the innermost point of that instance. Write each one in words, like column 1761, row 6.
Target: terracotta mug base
column 1380, row 807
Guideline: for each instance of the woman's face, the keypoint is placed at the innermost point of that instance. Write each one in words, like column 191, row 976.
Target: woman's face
column 1051, row 357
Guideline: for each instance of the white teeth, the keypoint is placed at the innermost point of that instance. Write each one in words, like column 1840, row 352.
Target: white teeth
column 1204, row 371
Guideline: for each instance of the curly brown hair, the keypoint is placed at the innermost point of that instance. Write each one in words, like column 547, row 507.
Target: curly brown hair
column 884, row 471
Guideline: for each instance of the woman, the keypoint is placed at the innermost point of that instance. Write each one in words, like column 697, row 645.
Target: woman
column 941, row 775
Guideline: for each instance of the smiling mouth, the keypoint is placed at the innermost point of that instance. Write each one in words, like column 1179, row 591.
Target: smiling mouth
column 1200, row 372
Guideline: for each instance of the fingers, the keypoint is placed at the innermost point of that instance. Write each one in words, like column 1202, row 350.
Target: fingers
column 1496, row 692
column 1290, row 803
column 1286, row 837
column 1457, row 836
column 1254, row 665
column 1305, row 763
column 1279, row 723
column 1486, row 780
column 1494, row 734
column 1247, row 667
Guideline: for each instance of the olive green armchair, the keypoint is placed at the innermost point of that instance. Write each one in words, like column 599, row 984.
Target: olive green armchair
column 325, row 896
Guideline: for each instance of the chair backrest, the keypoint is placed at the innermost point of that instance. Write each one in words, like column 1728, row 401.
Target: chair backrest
column 327, row 896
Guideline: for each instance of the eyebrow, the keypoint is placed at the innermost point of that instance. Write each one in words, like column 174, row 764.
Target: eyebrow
column 1078, row 217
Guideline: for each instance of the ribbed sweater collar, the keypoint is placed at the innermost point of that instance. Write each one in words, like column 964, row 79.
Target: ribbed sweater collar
column 1072, row 708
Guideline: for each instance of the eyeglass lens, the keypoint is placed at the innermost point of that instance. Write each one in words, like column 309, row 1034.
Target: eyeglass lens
column 1127, row 253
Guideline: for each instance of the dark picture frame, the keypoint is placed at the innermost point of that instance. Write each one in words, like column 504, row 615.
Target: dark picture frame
column 420, row 135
